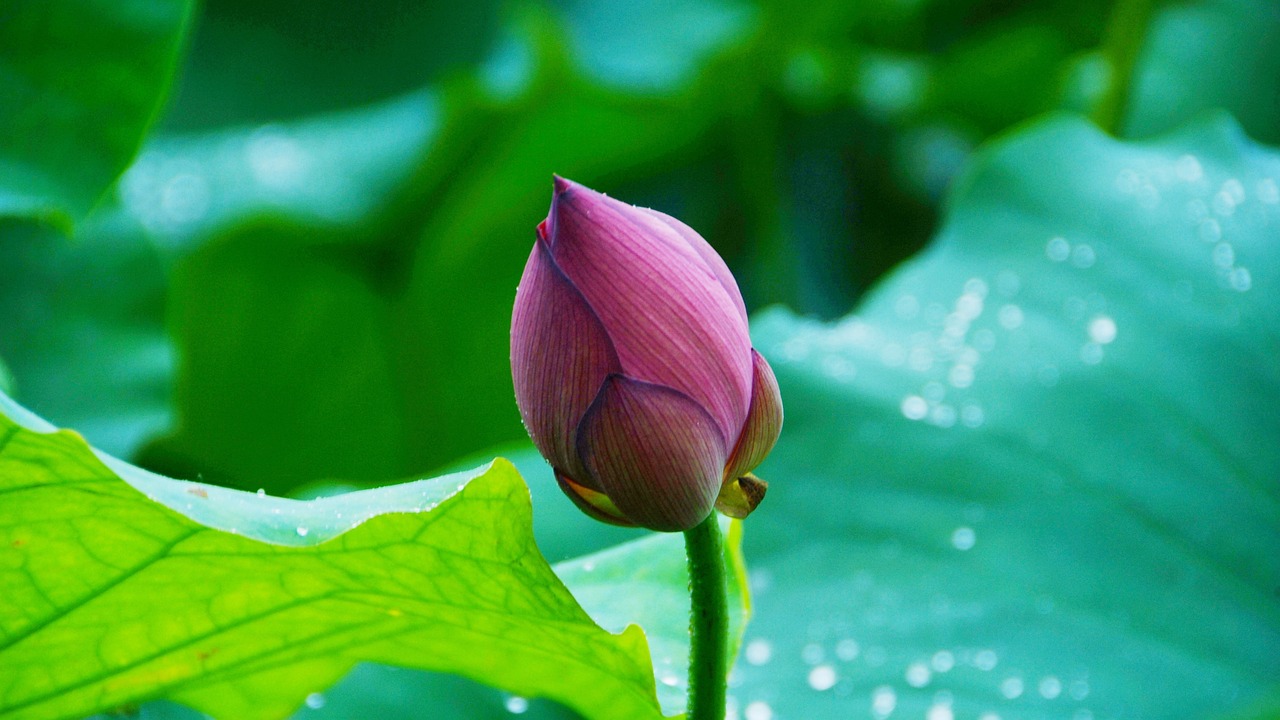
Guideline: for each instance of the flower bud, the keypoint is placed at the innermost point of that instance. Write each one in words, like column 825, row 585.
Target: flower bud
column 633, row 369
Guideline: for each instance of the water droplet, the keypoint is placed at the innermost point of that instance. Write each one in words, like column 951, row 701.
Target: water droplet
column 1234, row 189
column 759, row 652
column 1083, row 256
column 883, row 701
column 795, row 350
column 847, row 649
column 985, row 660
column 838, row 367
column 1188, row 168
column 669, row 679
column 975, row 286
column 1057, row 249
column 1010, row 317
column 589, row 566
column 918, row 675
column 822, row 677
column 184, row 198
column 914, row 407
column 963, row 538
column 262, row 492
column 1079, row 689
column 944, row 416
column 1268, row 192
column 1102, row 330
column 943, row 661
column 1011, row 687
column 1050, row 687
column 760, row 580
column 969, row 305
column 1240, row 279
column 940, row 711
column 517, row 705
column 758, row 710
column 315, row 701
column 275, row 159
column 302, row 532
column 960, row 376
column 1223, row 203
column 1209, row 230
column 812, row 654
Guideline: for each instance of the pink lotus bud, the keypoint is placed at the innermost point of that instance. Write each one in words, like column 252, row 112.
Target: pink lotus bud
column 633, row 369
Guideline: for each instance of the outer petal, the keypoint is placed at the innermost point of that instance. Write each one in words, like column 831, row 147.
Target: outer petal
column 654, row 451
column 709, row 256
column 560, row 355
column 764, row 421
column 595, row 504
column 670, row 320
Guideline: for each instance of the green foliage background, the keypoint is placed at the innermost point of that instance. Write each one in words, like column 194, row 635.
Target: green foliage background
column 274, row 245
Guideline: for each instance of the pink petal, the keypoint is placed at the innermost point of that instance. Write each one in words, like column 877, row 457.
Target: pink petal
column 654, row 451
column 670, row 319
column 560, row 355
column 709, row 256
column 764, row 421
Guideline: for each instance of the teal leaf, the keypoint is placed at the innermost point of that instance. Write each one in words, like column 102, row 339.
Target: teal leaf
column 1034, row 475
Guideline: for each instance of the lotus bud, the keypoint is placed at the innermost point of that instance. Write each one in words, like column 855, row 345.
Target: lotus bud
column 633, row 369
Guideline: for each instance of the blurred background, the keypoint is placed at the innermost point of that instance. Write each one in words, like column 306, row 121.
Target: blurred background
column 306, row 273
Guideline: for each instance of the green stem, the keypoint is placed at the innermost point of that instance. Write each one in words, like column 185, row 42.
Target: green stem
column 708, row 621
column 1125, row 33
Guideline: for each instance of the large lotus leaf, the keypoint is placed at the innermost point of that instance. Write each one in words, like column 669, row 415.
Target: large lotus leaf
column 1035, row 475
column 81, row 82
column 119, row 586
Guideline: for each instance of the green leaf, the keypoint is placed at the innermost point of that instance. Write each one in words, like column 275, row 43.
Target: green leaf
column 1035, row 474
column 119, row 586
column 82, row 82
column 1205, row 55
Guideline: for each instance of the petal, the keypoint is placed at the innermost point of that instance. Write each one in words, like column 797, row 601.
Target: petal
column 715, row 264
column 560, row 355
column 595, row 504
column 654, row 451
column 670, row 319
column 764, row 421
